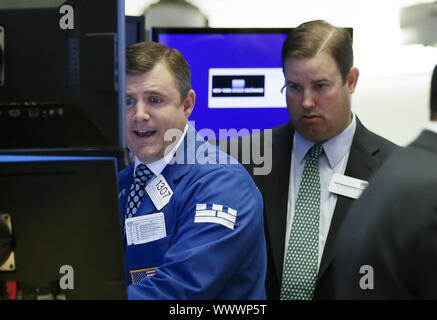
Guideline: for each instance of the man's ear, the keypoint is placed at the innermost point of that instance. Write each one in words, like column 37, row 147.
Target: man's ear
column 189, row 102
column 352, row 79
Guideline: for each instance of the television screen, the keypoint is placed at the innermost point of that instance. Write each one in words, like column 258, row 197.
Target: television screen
column 135, row 29
column 236, row 74
column 60, row 229
column 62, row 76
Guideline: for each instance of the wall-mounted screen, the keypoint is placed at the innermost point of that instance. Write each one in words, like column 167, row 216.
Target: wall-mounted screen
column 236, row 74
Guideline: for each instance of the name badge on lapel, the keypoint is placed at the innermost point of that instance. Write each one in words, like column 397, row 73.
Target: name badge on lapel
column 347, row 186
column 159, row 191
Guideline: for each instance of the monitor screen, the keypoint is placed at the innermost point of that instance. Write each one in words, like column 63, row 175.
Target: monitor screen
column 135, row 29
column 62, row 76
column 236, row 74
column 64, row 239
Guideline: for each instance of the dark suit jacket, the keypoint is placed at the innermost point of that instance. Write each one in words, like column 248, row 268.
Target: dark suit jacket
column 367, row 153
column 393, row 229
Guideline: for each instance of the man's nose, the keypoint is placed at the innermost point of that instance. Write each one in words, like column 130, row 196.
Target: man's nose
column 308, row 99
column 141, row 112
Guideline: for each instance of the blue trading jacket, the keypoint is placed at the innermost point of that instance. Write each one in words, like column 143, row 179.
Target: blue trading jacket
column 202, row 257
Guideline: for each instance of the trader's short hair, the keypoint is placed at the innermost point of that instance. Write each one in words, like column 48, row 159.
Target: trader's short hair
column 142, row 57
column 314, row 37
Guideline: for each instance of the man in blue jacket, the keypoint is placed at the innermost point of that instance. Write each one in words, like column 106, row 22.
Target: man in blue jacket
column 191, row 216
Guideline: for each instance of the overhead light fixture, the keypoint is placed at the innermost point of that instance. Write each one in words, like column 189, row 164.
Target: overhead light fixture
column 419, row 24
column 174, row 13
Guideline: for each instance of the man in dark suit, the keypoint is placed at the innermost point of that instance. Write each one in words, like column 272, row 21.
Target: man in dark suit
column 317, row 61
column 388, row 245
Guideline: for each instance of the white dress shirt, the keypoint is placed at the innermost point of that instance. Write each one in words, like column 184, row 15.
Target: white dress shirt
column 432, row 126
column 333, row 160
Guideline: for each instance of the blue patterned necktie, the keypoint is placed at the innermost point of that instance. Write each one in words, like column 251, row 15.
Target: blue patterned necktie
column 301, row 261
column 137, row 189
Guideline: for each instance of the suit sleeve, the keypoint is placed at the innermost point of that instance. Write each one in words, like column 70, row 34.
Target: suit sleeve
column 213, row 256
column 424, row 248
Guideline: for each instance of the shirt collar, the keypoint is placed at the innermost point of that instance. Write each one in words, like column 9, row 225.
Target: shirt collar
column 334, row 149
column 158, row 166
column 432, row 126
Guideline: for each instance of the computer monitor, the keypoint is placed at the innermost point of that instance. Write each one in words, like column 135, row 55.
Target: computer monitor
column 63, row 88
column 236, row 74
column 65, row 221
column 135, row 29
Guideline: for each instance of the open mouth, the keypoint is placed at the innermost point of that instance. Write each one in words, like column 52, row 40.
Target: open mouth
column 144, row 133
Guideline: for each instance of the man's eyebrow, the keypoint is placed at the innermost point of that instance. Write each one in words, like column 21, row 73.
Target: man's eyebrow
column 321, row 80
column 314, row 81
column 146, row 92
column 153, row 92
column 292, row 82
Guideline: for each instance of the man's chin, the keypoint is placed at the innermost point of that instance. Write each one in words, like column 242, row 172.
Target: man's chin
column 151, row 153
column 314, row 135
column 148, row 156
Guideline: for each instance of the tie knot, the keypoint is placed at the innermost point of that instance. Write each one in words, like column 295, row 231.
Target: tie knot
column 316, row 151
column 142, row 173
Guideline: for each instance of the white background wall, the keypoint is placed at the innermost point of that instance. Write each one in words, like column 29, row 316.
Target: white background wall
column 392, row 97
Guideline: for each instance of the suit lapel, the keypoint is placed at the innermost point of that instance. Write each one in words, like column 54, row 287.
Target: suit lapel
column 426, row 140
column 361, row 164
column 276, row 193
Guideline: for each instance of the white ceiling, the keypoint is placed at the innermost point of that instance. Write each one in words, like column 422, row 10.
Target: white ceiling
column 377, row 34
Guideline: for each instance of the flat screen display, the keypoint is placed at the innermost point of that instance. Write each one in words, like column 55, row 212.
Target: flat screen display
column 236, row 74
